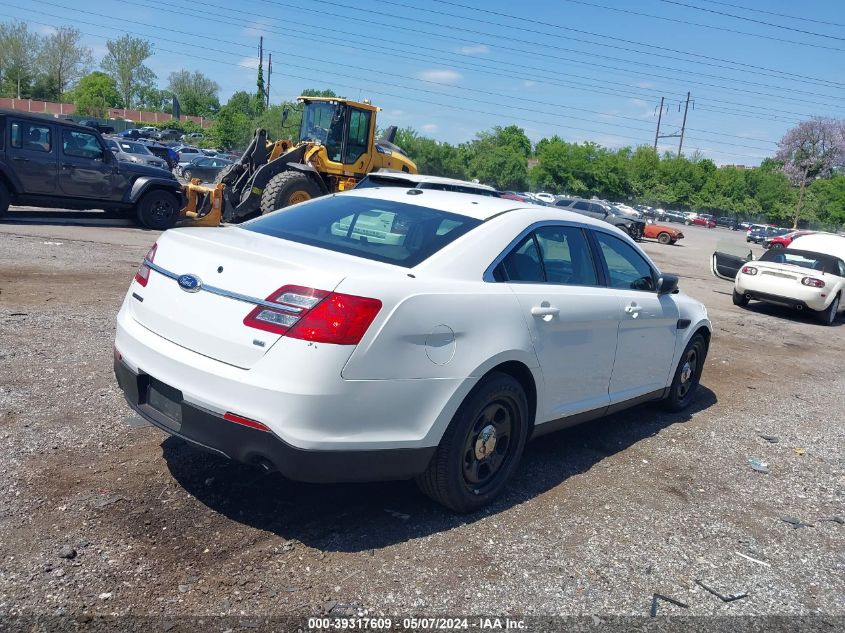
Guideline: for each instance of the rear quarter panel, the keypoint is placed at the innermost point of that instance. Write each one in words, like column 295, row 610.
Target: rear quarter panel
column 438, row 328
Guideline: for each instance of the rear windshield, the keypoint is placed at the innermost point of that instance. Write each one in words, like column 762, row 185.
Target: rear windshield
column 383, row 231
column 806, row 259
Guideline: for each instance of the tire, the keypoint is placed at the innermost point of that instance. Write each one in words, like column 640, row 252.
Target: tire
column 5, row 198
column 664, row 238
column 187, row 175
column 158, row 210
column 829, row 314
column 776, row 245
column 287, row 188
column 739, row 299
column 457, row 476
column 687, row 375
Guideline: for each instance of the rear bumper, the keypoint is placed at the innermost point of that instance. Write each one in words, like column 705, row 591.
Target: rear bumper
column 807, row 299
column 253, row 446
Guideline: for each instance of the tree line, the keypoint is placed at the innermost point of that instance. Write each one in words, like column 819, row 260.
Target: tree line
column 58, row 67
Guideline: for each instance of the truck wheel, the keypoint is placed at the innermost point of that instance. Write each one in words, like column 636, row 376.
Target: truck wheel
column 4, row 199
column 481, row 446
column 158, row 210
column 287, row 188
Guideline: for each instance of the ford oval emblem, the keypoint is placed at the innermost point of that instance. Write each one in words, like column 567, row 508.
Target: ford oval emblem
column 189, row 283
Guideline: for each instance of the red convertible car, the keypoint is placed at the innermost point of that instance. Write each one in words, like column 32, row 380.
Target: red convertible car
column 662, row 233
column 702, row 220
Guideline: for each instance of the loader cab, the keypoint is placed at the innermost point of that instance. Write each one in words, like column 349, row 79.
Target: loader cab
column 345, row 129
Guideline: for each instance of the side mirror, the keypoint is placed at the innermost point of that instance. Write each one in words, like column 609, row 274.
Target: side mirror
column 667, row 284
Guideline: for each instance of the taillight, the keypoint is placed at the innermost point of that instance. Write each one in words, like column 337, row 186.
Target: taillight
column 813, row 282
column 315, row 315
column 749, row 270
column 143, row 274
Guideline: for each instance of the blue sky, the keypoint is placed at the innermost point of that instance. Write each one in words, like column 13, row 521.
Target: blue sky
column 582, row 69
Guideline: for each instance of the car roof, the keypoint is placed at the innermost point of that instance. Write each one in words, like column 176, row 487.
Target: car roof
column 480, row 207
column 35, row 116
column 424, row 178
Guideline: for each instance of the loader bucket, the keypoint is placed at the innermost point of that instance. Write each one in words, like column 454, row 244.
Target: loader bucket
column 204, row 203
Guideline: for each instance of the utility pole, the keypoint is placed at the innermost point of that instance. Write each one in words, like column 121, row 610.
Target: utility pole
column 261, row 52
column 683, row 126
column 659, row 117
column 679, row 134
column 269, row 74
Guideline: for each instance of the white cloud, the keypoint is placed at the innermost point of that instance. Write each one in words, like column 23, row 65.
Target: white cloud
column 429, row 127
column 249, row 62
column 441, row 76
column 474, row 49
column 646, row 84
column 529, row 84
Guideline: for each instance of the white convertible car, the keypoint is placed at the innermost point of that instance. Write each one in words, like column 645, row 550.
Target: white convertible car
column 391, row 333
column 808, row 274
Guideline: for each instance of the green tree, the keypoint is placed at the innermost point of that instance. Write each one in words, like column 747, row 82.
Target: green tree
column 63, row 58
column 19, row 51
column 231, row 129
column 197, row 93
column 124, row 63
column 95, row 94
column 259, row 102
column 242, row 102
column 313, row 92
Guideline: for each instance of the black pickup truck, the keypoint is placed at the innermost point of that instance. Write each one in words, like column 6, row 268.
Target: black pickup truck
column 55, row 163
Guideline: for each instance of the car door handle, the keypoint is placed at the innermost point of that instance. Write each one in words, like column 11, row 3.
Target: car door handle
column 543, row 311
column 67, row 165
column 21, row 159
column 633, row 310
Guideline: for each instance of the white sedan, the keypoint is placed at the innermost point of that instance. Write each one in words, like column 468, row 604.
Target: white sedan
column 808, row 274
column 392, row 333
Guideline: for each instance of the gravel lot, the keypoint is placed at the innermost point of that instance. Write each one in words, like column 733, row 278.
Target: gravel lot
column 100, row 517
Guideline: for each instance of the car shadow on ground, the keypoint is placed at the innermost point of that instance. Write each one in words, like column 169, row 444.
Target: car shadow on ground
column 361, row 517
column 69, row 218
column 796, row 316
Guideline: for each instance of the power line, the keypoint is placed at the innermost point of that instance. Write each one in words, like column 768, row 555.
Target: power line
column 543, row 45
column 461, row 88
column 705, row 26
column 740, row 17
column 497, row 71
column 780, row 15
column 403, row 97
column 647, row 45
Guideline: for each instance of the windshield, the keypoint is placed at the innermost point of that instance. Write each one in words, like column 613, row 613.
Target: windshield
column 133, row 148
column 322, row 121
column 384, row 231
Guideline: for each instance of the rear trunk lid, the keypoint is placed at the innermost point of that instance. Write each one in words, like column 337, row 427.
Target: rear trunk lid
column 233, row 266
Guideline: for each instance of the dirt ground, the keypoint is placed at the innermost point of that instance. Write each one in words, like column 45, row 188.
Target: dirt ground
column 597, row 520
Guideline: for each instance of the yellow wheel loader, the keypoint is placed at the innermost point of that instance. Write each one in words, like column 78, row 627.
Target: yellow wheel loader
column 337, row 148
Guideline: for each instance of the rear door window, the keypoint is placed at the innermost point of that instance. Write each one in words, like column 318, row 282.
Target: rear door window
column 31, row 136
column 380, row 230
